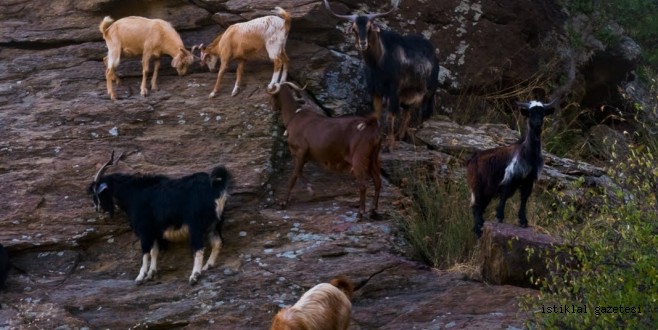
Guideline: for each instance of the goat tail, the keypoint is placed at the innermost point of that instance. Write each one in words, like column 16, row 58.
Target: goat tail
column 343, row 284
column 221, row 178
column 285, row 15
column 369, row 121
column 105, row 24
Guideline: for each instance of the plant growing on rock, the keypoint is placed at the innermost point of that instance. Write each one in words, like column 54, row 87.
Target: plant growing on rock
column 615, row 247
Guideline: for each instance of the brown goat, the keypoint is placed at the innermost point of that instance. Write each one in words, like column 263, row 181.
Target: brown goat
column 323, row 307
column 133, row 36
column 248, row 40
column 349, row 143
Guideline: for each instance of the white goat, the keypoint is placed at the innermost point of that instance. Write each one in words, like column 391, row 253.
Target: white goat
column 133, row 36
column 248, row 40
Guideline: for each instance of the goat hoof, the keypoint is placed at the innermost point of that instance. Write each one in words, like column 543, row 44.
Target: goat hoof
column 194, row 278
column 283, row 205
column 374, row 215
column 211, row 95
column 235, row 92
column 523, row 225
column 500, row 220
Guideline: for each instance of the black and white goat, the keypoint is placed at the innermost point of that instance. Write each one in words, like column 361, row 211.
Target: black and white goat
column 401, row 71
column 501, row 171
column 162, row 209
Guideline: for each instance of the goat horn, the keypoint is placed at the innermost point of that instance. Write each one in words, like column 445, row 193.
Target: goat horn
column 346, row 17
column 550, row 104
column 294, row 86
column 108, row 164
column 394, row 3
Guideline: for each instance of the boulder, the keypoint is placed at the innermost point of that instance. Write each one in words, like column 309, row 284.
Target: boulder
column 514, row 255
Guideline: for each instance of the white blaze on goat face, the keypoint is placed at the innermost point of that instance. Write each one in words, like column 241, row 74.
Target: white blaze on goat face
column 533, row 104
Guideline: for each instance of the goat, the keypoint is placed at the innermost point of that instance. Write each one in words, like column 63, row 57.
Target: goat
column 247, row 40
column 133, row 36
column 401, row 71
column 502, row 170
column 348, row 143
column 4, row 265
column 162, row 209
column 326, row 306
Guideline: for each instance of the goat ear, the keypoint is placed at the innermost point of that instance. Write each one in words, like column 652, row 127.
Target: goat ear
column 523, row 105
column 549, row 111
column 175, row 60
column 101, row 188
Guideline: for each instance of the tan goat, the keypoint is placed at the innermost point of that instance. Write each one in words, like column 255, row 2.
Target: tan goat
column 324, row 307
column 133, row 36
column 249, row 40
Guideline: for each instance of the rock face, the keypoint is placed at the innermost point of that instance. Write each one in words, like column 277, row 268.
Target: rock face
column 73, row 268
column 514, row 255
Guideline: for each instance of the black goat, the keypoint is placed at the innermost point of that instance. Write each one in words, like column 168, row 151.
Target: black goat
column 401, row 71
column 4, row 265
column 501, row 171
column 162, row 209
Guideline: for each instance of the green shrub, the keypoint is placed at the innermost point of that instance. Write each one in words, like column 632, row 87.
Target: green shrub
column 616, row 246
column 439, row 226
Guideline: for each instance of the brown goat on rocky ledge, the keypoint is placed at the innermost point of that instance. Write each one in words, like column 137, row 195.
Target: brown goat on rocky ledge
column 349, row 143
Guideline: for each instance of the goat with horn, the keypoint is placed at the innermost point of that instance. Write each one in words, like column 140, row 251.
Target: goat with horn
column 502, row 170
column 163, row 209
column 401, row 70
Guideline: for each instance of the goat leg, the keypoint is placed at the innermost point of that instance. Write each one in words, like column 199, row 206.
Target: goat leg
column 220, row 74
column 297, row 172
column 142, row 271
column 238, row 78
column 196, row 270
column 479, row 221
column 154, row 79
column 146, row 58
column 402, row 132
column 525, row 191
column 391, row 132
column 376, row 178
column 155, row 250
column 216, row 243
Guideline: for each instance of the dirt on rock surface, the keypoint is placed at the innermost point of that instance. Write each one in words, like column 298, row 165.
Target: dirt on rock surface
column 75, row 269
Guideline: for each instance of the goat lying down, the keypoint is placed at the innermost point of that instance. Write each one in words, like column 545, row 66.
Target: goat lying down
column 326, row 306
column 151, row 38
column 162, row 209
column 249, row 40
column 501, row 171
column 349, row 144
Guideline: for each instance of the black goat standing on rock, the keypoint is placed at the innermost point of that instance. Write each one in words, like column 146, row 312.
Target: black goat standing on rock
column 501, row 171
column 402, row 71
column 162, row 209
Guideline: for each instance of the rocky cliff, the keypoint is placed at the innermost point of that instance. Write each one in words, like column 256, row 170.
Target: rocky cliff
column 75, row 269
